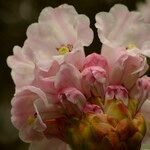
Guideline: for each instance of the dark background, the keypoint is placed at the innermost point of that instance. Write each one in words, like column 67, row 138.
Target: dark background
column 15, row 17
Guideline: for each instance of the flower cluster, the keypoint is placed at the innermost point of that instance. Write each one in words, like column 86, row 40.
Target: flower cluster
column 66, row 100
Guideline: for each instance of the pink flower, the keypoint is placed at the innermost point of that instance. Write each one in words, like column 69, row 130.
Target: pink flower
column 58, row 32
column 128, row 34
column 31, row 113
column 95, row 75
column 25, row 115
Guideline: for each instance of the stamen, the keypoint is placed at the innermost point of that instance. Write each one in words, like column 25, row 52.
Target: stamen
column 30, row 120
column 65, row 49
column 131, row 46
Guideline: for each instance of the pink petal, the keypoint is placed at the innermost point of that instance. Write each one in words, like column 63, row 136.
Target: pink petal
column 68, row 76
column 42, row 52
column 45, row 79
column 94, row 80
column 22, row 67
column 141, row 90
column 28, row 135
column 62, row 21
column 112, row 54
column 76, row 58
column 74, row 96
column 117, row 92
column 95, row 60
column 127, row 69
column 85, row 34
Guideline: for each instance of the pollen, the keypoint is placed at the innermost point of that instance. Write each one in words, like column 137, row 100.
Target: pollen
column 131, row 46
column 64, row 49
column 30, row 120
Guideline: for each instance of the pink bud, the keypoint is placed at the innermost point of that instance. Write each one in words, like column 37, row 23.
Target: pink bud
column 141, row 90
column 94, row 80
column 116, row 92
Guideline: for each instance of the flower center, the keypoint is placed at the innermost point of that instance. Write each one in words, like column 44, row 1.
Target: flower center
column 64, row 49
column 31, row 119
column 131, row 46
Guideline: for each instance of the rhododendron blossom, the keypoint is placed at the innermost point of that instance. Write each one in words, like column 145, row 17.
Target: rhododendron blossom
column 65, row 100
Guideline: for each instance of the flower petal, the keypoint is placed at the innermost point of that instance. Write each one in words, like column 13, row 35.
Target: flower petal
column 144, row 8
column 85, row 34
column 94, row 81
column 68, row 76
column 22, row 67
column 76, row 58
column 117, row 92
column 95, row 60
column 128, row 28
column 74, row 96
column 127, row 69
column 23, row 112
column 140, row 91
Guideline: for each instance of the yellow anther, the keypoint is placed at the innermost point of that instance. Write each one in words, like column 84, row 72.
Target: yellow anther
column 131, row 46
column 30, row 120
column 64, row 49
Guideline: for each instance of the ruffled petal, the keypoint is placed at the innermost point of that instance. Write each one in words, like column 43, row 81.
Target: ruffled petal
column 22, row 67
column 128, row 28
column 85, row 34
column 61, row 21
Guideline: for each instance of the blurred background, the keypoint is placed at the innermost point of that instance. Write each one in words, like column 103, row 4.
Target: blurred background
column 15, row 17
